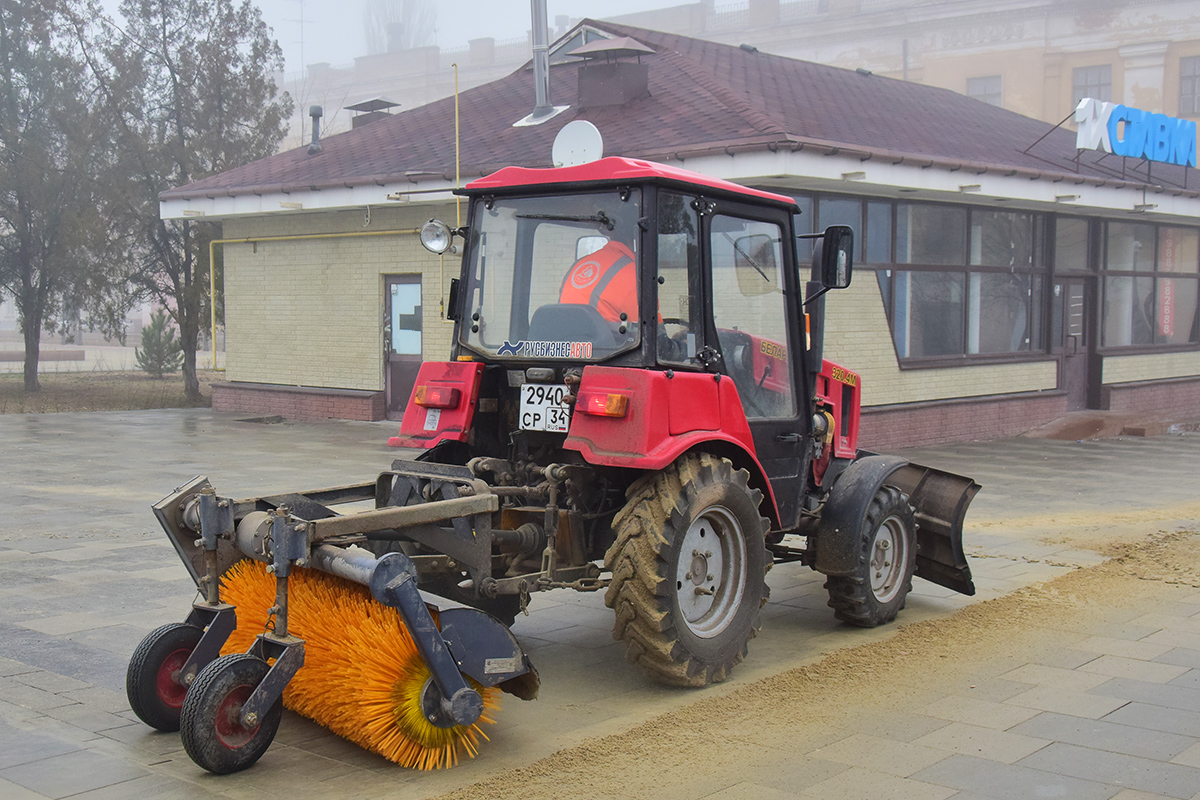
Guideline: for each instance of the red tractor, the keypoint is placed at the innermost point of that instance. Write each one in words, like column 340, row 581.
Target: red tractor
column 637, row 372
column 635, row 403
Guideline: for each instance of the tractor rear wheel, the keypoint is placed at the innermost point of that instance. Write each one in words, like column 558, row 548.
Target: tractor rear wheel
column 687, row 569
column 152, row 680
column 213, row 732
column 876, row 591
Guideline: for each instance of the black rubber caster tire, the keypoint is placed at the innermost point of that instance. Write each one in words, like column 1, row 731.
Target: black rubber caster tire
column 154, row 695
column 211, row 727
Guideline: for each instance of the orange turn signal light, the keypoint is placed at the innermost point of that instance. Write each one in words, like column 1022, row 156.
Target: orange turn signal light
column 603, row 404
column 437, row 396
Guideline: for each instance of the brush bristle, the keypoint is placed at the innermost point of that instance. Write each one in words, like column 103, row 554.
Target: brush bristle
column 362, row 675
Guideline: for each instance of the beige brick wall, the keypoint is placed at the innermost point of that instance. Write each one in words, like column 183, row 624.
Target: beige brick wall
column 857, row 337
column 1127, row 369
column 326, row 329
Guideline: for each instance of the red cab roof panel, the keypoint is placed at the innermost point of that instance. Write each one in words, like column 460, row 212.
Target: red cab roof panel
column 614, row 168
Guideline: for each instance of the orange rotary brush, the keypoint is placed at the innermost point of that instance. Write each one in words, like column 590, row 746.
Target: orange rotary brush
column 362, row 675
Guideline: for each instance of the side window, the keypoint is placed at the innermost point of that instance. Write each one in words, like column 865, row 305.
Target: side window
column 680, row 316
column 750, row 313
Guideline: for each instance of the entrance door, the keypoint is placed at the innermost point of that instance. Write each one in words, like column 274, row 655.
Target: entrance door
column 402, row 339
column 1073, row 341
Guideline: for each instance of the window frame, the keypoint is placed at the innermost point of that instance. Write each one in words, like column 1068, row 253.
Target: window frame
column 1083, row 80
column 1156, row 274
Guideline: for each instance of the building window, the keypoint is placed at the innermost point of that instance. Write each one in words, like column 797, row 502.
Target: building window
column 1189, row 86
column 1095, row 82
column 1151, row 281
column 985, row 89
column 967, row 282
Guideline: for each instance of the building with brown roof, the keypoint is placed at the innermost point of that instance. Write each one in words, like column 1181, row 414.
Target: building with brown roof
column 1005, row 276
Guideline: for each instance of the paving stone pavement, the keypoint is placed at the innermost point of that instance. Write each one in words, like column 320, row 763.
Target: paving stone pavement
column 85, row 574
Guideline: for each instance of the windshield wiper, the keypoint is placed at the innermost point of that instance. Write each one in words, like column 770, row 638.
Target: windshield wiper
column 599, row 217
column 746, row 256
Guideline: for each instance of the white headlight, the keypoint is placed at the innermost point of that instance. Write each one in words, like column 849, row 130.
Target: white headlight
column 435, row 236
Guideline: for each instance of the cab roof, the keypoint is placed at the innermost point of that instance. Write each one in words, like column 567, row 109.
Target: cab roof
column 615, row 169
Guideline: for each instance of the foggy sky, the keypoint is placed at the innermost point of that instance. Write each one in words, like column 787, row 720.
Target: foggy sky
column 333, row 29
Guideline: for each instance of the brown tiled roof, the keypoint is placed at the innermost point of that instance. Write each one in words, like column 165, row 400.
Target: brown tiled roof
column 704, row 97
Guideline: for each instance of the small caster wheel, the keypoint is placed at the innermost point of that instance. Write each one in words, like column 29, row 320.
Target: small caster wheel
column 211, row 725
column 152, row 680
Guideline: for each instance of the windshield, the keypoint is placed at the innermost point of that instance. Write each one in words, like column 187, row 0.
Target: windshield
column 554, row 277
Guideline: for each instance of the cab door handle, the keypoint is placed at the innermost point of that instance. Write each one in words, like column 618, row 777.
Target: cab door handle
column 788, row 438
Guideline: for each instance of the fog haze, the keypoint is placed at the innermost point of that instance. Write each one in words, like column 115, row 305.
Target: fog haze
column 333, row 29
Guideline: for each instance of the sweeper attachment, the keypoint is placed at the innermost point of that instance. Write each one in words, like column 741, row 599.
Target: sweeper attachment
column 403, row 675
column 636, row 403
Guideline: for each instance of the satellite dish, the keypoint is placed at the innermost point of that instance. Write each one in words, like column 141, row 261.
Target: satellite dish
column 577, row 143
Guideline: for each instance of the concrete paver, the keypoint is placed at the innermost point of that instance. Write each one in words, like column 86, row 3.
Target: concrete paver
column 85, row 573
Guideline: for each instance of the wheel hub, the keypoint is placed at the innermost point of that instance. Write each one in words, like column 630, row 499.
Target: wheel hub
column 711, row 572
column 170, row 690
column 228, row 720
column 888, row 558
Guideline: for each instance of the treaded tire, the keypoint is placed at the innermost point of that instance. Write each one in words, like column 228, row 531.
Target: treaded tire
column 212, row 733
column 153, row 694
column 856, row 599
column 673, row 627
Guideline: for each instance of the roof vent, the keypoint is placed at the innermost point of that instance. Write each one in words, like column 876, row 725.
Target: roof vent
column 606, row 80
column 369, row 111
column 315, row 146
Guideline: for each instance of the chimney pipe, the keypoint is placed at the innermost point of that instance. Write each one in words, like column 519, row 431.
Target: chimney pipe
column 541, row 60
column 315, row 146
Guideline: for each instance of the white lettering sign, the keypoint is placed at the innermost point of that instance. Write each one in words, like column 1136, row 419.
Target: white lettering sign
column 1134, row 133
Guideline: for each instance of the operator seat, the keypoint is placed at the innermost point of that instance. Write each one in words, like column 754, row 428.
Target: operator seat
column 573, row 322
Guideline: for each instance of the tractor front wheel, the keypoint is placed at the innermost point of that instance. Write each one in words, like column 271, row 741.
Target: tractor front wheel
column 152, row 681
column 886, row 557
column 214, row 734
column 688, row 567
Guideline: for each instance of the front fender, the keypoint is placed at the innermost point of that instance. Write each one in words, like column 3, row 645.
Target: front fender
column 845, row 513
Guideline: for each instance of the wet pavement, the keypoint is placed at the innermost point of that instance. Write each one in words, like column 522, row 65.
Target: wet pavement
column 85, row 573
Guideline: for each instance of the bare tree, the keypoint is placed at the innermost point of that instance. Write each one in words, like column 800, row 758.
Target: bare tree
column 398, row 24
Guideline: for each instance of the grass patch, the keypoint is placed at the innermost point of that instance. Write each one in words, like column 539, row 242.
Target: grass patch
column 100, row 391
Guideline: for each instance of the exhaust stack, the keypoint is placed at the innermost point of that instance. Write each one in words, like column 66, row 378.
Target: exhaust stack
column 542, row 108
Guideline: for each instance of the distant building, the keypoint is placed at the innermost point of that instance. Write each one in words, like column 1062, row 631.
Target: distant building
column 1004, row 277
column 1035, row 57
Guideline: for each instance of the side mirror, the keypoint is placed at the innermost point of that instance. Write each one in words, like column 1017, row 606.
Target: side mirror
column 837, row 248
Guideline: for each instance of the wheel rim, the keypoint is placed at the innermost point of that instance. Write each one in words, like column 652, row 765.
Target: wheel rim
column 170, row 691
column 889, row 554
column 228, row 722
column 710, row 575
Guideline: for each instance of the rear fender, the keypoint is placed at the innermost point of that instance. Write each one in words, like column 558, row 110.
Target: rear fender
column 667, row 414
column 940, row 499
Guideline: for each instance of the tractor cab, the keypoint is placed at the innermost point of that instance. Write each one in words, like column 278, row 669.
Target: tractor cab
column 632, row 265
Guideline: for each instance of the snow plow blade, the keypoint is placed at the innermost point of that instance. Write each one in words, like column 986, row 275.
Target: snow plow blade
column 941, row 500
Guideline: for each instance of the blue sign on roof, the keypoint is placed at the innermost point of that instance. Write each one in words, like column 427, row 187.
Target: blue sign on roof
column 1134, row 133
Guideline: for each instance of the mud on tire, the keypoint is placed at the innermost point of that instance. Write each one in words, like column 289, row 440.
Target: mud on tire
column 687, row 570
column 886, row 558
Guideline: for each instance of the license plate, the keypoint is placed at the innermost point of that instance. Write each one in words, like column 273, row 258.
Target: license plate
column 543, row 409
